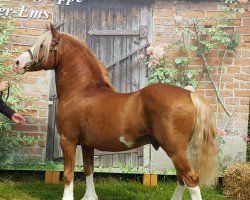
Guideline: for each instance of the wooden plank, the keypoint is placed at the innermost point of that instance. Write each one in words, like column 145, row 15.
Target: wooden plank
column 133, row 23
column 95, row 24
column 106, row 43
column 55, row 177
column 120, row 45
column 51, row 121
column 154, row 180
column 48, row 177
column 80, row 19
column 146, row 179
column 150, row 180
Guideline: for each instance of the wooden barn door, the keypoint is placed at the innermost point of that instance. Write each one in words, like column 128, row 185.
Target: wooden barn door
column 117, row 31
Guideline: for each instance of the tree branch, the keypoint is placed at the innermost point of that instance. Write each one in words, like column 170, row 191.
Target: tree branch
column 207, row 70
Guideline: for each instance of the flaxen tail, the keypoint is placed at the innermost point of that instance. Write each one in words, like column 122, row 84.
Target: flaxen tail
column 203, row 145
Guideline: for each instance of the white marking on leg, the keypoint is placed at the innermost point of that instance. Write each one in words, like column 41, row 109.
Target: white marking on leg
column 128, row 144
column 68, row 192
column 90, row 189
column 178, row 193
column 195, row 193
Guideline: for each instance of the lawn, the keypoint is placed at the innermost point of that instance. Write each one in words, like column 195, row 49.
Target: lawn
column 29, row 187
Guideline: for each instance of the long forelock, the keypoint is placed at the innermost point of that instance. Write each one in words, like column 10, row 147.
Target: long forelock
column 45, row 40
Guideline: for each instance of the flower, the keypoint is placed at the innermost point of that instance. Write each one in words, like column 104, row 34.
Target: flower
column 222, row 133
column 158, row 52
column 190, row 88
column 150, row 50
column 242, row 1
column 142, row 56
column 245, row 138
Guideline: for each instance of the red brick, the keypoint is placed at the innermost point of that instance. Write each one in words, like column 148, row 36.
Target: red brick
column 41, row 143
column 233, row 69
column 43, row 128
column 226, row 93
column 43, row 113
column 245, row 14
column 218, row 14
column 25, row 127
column 35, row 24
column 242, row 109
column 30, row 32
column 157, row 21
column 245, row 69
column 194, row 14
column 243, row 29
column 231, row 101
column 242, row 93
column 242, row 77
column 209, row 92
column 245, row 85
column 29, row 40
column 242, row 61
column 21, row 48
column 163, row 13
column 28, row 113
column 244, row 46
column 244, row 117
column 40, row 104
column 245, row 54
column 244, row 101
column 246, row 21
column 231, row 85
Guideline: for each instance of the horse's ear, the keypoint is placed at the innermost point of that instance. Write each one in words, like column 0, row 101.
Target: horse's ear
column 53, row 30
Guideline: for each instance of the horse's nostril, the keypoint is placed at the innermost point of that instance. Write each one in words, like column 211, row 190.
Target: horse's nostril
column 17, row 62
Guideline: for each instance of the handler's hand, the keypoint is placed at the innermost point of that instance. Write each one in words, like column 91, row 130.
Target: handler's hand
column 17, row 118
column 4, row 85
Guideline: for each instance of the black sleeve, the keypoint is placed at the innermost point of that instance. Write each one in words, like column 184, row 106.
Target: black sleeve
column 6, row 110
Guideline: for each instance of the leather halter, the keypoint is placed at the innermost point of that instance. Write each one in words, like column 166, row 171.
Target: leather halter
column 33, row 65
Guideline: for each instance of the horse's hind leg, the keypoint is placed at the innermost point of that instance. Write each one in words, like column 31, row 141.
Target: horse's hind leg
column 69, row 152
column 175, row 143
column 88, row 162
column 179, row 190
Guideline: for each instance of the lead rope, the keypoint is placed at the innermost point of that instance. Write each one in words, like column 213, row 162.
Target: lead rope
column 8, row 94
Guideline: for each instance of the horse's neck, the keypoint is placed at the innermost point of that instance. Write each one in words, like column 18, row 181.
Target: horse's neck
column 81, row 72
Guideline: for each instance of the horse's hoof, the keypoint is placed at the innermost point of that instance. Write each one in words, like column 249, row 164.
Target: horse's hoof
column 90, row 198
column 67, row 198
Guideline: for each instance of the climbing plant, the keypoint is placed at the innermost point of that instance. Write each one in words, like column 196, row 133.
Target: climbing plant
column 198, row 38
column 9, row 141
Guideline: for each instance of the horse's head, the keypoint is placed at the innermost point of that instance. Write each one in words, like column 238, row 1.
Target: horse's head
column 43, row 55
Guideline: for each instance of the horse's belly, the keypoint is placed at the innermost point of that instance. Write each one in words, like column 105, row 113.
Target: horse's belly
column 117, row 142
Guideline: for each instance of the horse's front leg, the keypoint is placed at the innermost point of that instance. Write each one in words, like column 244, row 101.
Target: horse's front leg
column 88, row 162
column 69, row 152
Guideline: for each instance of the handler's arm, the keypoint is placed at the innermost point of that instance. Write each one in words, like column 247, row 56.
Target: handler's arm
column 6, row 110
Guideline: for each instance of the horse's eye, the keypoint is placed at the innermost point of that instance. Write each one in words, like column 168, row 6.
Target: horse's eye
column 41, row 46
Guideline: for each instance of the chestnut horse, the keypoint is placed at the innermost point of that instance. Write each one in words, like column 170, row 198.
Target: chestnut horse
column 92, row 114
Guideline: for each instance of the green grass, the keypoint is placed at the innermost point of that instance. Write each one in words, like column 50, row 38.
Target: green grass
column 31, row 188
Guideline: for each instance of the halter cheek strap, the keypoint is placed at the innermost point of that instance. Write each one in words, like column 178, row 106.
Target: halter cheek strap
column 31, row 54
column 31, row 66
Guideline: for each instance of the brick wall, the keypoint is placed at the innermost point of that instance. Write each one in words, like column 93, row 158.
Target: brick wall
column 236, row 77
column 28, row 28
column 235, row 81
